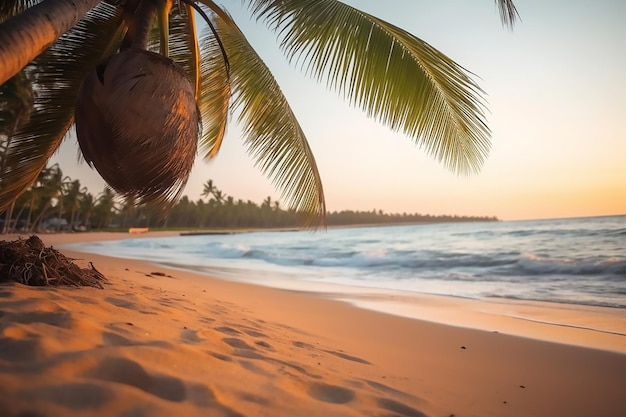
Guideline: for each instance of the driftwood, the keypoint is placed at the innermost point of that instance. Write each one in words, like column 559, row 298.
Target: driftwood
column 30, row 262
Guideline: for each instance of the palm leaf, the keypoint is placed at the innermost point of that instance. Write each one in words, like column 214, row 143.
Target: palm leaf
column 392, row 75
column 56, row 75
column 210, row 76
column 184, row 48
column 10, row 8
column 273, row 135
column 183, row 43
column 508, row 12
column 215, row 94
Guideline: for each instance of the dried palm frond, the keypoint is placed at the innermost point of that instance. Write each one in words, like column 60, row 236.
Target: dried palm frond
column 30, row 262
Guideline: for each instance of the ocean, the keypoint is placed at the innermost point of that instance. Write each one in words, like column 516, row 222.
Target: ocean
column 575, row 260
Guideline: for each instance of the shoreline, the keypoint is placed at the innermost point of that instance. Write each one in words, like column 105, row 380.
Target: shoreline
column 526, row 318
column 180, row 343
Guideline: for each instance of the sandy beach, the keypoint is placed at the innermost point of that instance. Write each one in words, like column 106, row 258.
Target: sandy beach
column 163, row 342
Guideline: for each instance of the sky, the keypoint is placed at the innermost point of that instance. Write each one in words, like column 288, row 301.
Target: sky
column 555, row 89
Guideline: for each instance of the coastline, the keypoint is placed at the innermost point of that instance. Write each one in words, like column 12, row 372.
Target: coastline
column 199, row 345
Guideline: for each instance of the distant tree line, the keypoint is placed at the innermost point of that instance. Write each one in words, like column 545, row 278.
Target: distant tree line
column 58, row 203
column 350, row 217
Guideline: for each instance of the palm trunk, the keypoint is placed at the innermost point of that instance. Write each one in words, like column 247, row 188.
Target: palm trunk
column 30, row 214
column 86, row 220
column 60, row 214
column 40, row 217
column 72, row 219
column 25, row 36
column 9, row 213
column 8, row 218
column 142, row 25
column 17, row 217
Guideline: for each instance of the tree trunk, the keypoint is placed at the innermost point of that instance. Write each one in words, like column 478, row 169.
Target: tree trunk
column 30, row 213
column 141, row 25
column 40, row 217
column 25, row 36
column 60, row 214
column 72, row 219
column 8, row 218
column 15, row 225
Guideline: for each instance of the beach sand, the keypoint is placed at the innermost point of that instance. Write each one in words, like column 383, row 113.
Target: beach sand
column 163, row 342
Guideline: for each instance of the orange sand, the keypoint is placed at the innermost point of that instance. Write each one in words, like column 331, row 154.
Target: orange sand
column 180, row 344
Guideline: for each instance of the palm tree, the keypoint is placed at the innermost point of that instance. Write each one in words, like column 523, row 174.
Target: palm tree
column 129, row 207
column 106, row 207
column 50, row 191
column 393, row 76
column 36, row 194
column 219, row 196
column 86, row 208
column 208, row 189
column 16, row 103
column 72, row 194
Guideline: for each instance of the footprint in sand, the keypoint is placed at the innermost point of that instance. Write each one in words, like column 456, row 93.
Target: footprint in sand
column 53, row 318
column 228, row 331
column 20, row 350
column 254, row 333
column 398, row 408
column 126, row 371
column 331, row 393
column 74, row 396
column 242, row 349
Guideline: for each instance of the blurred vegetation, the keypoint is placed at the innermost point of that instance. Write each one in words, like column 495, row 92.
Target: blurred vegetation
column 58, row 203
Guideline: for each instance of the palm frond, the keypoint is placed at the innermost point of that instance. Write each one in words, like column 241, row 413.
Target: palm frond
column 56, row 75
column 183, row 43
column 508, row 12
column 186, row 44
column 273, row 135
column 10, row 8
column 215, row 94
column 393, row 76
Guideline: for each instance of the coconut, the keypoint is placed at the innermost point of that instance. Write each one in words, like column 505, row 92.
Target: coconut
column 138, row 124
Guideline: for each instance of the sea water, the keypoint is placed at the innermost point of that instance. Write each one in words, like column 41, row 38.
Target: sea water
column 577, row 260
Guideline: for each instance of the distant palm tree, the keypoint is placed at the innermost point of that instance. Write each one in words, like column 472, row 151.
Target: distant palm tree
column 219, row 196
column 36, row 191
column 86, row 207
column 129, row 207
column 136, row 117
column 208, row 189
column 16, row 103
column 72, row 195
column 51, row 191
column 106, row 206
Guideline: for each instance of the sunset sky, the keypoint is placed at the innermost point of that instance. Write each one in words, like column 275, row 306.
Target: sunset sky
column 556, row 92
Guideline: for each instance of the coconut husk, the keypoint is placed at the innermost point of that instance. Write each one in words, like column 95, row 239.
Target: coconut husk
column 30, row 262
column 138, row 124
